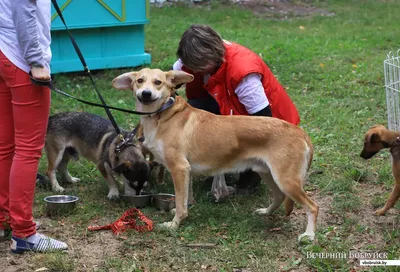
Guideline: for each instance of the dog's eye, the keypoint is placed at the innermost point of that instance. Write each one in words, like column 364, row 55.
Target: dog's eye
column 140, row 80
column 157, row 82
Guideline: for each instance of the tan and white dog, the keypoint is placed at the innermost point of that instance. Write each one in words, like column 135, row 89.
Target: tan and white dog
column 192, row 141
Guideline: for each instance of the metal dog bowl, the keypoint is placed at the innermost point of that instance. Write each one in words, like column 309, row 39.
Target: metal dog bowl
column 139, row 201
column 165, row 202
column 60, row 204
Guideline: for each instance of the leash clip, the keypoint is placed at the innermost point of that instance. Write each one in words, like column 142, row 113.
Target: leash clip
column 87, row 69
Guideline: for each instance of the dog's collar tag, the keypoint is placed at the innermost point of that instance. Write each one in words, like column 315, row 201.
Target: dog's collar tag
column 119, row 146
column 125, row 141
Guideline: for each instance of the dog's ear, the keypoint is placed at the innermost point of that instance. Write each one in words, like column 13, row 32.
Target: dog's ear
column 122, row 167
column 124, row 81
column 373, row 138
column 178, row 77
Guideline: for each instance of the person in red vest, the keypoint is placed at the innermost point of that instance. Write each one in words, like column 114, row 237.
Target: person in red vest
column 230, row 79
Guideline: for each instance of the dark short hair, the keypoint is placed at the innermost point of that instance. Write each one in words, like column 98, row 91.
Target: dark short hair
column 199, row 46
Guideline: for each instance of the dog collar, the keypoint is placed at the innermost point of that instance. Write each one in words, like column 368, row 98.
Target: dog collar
column 165, row 106
column 396, row 142
column 168, row 104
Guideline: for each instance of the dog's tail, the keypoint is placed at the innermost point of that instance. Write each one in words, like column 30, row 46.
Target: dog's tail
column 311, row 150
column 289, row 203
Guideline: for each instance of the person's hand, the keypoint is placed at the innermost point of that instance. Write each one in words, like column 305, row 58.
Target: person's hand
column 40, row 73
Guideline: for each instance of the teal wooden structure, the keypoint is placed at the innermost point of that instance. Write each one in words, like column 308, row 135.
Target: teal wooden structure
column 110, row 34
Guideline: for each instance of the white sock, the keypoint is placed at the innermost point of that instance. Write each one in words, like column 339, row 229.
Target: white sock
column 34, row 238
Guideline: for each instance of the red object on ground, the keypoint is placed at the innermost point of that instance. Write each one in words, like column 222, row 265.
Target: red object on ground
column 127, row 221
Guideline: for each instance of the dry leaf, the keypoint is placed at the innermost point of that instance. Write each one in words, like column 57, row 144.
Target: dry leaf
column 275, row 229
column 42, row 269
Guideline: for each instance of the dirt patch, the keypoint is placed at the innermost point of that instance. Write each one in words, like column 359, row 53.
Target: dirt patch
column 283, row 9
column 366, row 212
column 91, row 252
column 372, row 229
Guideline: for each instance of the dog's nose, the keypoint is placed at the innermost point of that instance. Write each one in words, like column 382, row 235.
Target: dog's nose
column 146, row 94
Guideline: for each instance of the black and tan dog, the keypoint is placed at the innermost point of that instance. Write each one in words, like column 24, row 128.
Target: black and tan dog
column 191, row 141
column 74, row 134
column 376, row 139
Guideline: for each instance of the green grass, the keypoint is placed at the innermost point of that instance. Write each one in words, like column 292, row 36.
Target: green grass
column 333, row 71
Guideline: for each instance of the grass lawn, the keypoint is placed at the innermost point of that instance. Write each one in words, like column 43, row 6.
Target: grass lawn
column 332, row 67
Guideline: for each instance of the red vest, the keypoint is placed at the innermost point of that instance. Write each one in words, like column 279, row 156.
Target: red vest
column 239, row 62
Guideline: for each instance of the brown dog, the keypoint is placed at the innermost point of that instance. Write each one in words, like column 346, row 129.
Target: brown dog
column 376, row 139
column 190, row 141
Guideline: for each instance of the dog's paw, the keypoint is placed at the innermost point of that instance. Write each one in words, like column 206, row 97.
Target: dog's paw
column 74, row 180
column 306, row 237
column 173, row 211
column 173, row 225
column 263, row 211
column 231, row 190
column 191, row 201
column 380, row 212
column 113, row 194
column 58, row 189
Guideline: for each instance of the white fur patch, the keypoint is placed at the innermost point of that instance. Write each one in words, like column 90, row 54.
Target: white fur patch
column 155, row 146
column 128, row 190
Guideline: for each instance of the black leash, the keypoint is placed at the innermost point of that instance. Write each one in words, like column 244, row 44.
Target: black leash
column 49, row 84
column 86, row 68
column 107, row 108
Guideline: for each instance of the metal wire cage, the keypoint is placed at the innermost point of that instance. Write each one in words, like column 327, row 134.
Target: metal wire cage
column 392, row 85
